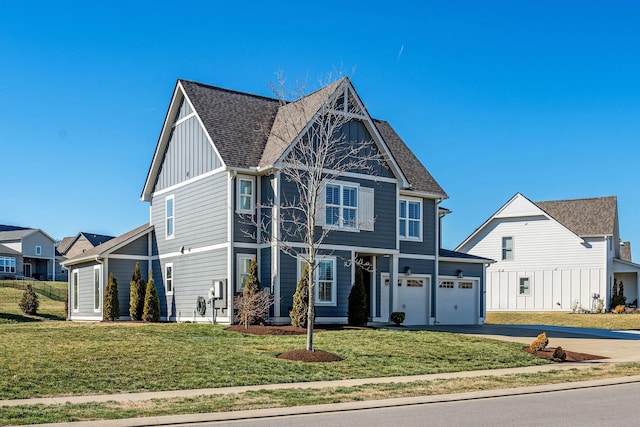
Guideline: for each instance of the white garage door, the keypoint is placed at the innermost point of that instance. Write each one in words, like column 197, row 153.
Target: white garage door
column 413, row 292
column 457, row 302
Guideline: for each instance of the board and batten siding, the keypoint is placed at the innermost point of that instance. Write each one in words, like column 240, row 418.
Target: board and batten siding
column 139, row 247
column 122, row 270
column 189, row 154
column 561, row 269
column 200, row 215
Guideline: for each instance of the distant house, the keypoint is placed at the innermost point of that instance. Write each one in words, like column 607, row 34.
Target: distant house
column 73, row 246
column 26, row 252
column 554, row 255
column 217, row 161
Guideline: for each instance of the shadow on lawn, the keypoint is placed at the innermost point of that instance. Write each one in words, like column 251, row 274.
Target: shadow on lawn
column 21, row 318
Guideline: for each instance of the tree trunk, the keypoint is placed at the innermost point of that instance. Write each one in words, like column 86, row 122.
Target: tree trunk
column 310, row 316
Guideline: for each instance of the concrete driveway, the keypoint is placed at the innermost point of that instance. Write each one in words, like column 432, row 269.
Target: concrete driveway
column 617, row 346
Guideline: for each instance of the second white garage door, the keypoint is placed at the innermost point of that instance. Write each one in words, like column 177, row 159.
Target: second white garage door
column 457, row 301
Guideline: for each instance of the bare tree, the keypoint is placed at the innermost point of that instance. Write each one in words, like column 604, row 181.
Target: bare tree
column 310, row 146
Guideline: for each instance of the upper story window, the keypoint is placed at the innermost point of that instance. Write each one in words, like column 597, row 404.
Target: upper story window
column 507, row 248
column 341, row 205
column 410, row 219
column 38, row 250
column 170, row 216
column 246, row 194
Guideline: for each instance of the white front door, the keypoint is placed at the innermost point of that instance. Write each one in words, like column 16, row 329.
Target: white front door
column 413, row 299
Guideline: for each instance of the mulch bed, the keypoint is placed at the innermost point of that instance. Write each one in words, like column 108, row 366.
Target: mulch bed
column 310, row 356
column 572, row 356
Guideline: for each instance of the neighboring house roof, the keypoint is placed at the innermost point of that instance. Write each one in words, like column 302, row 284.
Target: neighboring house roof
column 251, row 131
column 584, row 217
column 625, row 251
column 11, row 228
column 65, row 244
column 111, row 245
column 8, row 251
column 96, row 239
column 445, row 253
column 16, row 234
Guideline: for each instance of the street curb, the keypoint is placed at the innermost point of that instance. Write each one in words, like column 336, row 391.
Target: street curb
column 347, row 406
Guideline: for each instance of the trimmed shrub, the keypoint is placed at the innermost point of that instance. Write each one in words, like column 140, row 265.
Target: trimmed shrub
column 397, row 317
column 540, row 343
column 137, row 290
column 151, row 311
column 29, row 303
column 357, row 314
column 298, row 313
column 559, row 355
column 111, row 306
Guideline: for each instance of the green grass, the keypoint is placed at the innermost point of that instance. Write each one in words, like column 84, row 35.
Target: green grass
column 30, row 414
column 603, row 321
column 56, row 358
column 10, row 312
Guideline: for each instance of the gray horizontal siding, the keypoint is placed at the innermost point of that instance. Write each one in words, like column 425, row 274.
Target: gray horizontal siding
column 200, row 215
column 188, row 154
column 193, row 276
column 30, row 242
column 428, row 244
column 384, row 234
column 86, row 292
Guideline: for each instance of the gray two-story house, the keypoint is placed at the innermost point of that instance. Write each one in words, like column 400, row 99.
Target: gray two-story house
column 217, row 174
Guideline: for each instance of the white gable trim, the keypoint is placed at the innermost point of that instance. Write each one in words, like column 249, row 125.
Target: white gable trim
column 497, row 215
column 179, row 95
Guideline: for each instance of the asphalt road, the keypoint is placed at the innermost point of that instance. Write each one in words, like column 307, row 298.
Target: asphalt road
column 606, row 405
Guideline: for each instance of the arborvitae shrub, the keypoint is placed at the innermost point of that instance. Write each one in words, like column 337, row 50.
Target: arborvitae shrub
column 29, row 303
column 357, row 314
column 253, row 306
column 299, row 311
column 137, row 290
column 252, row 283
column 111, row 307
column 151, row 312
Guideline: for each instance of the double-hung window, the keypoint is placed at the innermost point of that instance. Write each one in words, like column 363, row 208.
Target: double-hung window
column 170, row 216
column 245, row 195
column 324, row 277
column 97, row 281
column 507, row 248
column 410, row 219
column 244, row 261
column 341, row 206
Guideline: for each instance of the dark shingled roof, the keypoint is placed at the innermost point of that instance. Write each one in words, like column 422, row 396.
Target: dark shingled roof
column 238, row 123
column 241, row 124
column 585, row 217
column 12, row 228
column 461, row 255
column 625, row 251
column 417, row 175
column 96, row 239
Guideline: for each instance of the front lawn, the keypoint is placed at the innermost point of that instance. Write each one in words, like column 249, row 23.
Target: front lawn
column 55, row 358
column 602, row 321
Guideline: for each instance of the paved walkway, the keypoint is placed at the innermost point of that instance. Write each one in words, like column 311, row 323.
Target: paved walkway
column 618, row 346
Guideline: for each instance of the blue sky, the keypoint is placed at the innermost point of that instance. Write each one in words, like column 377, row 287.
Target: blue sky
column 495, row 98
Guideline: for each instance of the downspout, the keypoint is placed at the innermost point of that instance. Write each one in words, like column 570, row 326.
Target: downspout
column 436, row 274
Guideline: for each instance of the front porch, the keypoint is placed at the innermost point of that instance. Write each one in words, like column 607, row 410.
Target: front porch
column 627, row 273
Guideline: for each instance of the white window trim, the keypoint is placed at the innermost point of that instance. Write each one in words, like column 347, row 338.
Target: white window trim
column 528, row 293
column 239, row 258
column 99, row 268
column 252, row 204
column 75, row 281
column 173, row 217
column 340, row 226
column 420, row 225
column 334, row 285
column 38, row 250
column 502, row 248
column 12, row 264
column 173, row 276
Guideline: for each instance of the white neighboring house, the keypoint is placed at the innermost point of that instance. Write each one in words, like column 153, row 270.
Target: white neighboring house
column 552, row 254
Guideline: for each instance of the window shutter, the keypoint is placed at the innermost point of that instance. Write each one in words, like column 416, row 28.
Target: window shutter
column 321, row 210
column 365, row 209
